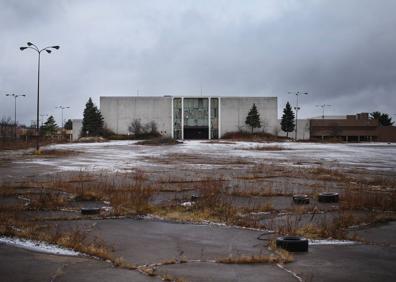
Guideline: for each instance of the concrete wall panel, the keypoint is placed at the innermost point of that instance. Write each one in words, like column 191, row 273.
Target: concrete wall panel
column 119, row 112
column 234, row 111
column 76, row 131
column 303, row 130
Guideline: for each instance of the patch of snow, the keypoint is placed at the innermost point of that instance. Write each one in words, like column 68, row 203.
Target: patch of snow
column 186, row 204
column 106, row 209
column 124, row 155
column 331, row 242
column 38, row 246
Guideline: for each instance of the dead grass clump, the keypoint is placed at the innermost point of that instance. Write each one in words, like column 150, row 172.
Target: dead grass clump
column 132, row 200
column 135, row 198
column 267, row 148
column 267, row 192
column 168, row 262
column 149, row 271
column 55, row 153
column 84, row 195
column 383, row 181
column 257, row 136
column 48, row 200
column 368, row 200
column 280, row 257
column 212, row 200
column 335, row 228
column 159, row 141
column 14, row 226
column 122, row 263
column 323, row 173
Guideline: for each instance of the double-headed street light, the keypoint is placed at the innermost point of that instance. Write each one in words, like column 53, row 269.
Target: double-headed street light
column 48, row 49
column 323, row 106
column 15, row 111
column 42, row 118
column 297, row 108
column 62, row 108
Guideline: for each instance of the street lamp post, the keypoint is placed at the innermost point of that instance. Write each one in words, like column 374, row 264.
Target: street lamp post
column 42, row 116
column 62, row 108
column 323, row 106
column 15, row 111
column 48, row 49
column 297, row 108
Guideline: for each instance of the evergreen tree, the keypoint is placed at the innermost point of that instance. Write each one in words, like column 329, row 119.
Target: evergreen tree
column 287, row 122
column 49, row 127
column 253, row 118
column 383, row 119
column 92, row 124
column 68, row 125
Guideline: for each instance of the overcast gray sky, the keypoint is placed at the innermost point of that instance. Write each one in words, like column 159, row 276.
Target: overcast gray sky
column 342, row 52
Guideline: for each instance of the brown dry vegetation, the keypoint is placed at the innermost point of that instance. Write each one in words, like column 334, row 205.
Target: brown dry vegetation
column 368, row 200
column 257, row 136
column 54, row 153
column 13, row 224
column 21, row 144
column 267, row 148
column 47, row 201
column 159, row 142
column 279, row 256
column 131, row 194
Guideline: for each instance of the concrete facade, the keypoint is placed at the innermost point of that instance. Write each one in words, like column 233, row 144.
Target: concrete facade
column 234, row 111
column 303, row 130
column 76, row 130
column 119, row 112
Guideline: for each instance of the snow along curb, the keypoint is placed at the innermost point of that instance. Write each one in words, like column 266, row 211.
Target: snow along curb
column 331, row 242
column 38, row 246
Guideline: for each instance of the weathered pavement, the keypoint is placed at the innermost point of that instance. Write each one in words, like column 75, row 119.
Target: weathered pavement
column 24, row 265
column 150, row 241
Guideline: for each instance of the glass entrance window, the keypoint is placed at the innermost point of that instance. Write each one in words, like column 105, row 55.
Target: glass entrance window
column 195, row 112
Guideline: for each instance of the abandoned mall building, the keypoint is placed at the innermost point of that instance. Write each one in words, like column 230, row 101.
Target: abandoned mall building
column 188, row 117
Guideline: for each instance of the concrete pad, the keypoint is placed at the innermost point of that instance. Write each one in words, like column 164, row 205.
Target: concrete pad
column 23, row 265
column 196, row 272
column 378, row 234
column 149, row 241
column 346, row 263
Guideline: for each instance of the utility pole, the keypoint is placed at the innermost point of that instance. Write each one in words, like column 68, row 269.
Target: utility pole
column 62, row 108
column 48, row 49
column 323, row 106
column 15, row 111
column 297, row 108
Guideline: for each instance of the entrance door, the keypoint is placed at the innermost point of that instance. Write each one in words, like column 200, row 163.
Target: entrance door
column 196, row 132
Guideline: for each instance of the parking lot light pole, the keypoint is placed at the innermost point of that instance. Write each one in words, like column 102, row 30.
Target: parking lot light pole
column 62, row 108
column 42, row 118
column 15, row 111
column 297, row 108
column 323, row 106
column 48, row 49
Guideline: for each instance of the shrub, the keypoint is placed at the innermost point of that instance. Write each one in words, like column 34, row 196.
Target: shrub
column 140, row 131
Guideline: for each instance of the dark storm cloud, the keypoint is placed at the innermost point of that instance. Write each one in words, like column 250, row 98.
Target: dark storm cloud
column 341, row 52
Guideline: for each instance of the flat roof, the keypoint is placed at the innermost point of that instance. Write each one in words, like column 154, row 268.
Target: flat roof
column 181, row 96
